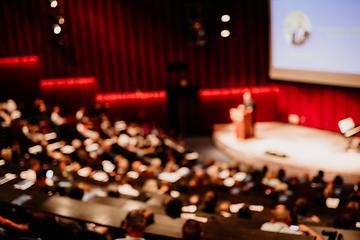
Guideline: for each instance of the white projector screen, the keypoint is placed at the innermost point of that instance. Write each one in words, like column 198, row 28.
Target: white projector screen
column 315, row 41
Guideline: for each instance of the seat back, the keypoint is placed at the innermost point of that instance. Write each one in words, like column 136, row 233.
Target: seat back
column 346, row 124
column 84, row 234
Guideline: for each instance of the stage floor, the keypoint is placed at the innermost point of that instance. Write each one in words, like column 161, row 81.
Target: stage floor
column 307, row 150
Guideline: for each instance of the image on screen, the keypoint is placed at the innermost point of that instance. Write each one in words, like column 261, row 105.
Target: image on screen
column 315, row 41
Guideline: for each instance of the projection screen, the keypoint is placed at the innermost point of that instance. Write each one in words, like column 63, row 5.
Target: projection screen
column 315, row 41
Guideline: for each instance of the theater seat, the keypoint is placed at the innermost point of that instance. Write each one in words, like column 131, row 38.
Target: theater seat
column 4, row 236
column 84, row 234
column 59, row 231
column 348, row 129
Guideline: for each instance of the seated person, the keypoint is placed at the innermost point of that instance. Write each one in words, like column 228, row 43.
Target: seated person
column 192, row 230
column 135, row 224
column 60, row 123
column 319, row 178
column 345, row 221
column 301, row 209
column 173, row 208
column 210, row 201
column 56, row 118
column 84, row 128
column 281, row 223
column 6, row 223
column 32, row 132
column 31, row 173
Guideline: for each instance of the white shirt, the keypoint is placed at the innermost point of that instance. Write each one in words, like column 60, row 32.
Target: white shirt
column 28, row 174
column 299, row 35
column 279, row 227
column 57, row 119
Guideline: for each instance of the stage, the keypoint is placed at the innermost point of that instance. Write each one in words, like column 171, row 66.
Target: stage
column 307, row 150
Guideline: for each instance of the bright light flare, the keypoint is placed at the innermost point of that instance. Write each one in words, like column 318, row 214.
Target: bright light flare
column 225, row 33
column 225, row 18
column 61, row 20
column 57, row 29
column 53, row 4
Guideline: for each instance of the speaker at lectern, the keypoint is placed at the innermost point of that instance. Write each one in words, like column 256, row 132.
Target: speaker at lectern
column 243, row 121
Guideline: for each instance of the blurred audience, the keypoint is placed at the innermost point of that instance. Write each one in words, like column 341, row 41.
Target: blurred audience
column 134, row 156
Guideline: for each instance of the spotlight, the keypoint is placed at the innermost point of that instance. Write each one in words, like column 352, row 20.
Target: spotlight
column 53, row 4
column 225, row 18
column 61, row 20
column 56, row 28
column 225, row 33
column 57, row 18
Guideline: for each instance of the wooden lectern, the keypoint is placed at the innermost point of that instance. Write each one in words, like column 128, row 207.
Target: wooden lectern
column 242, row 119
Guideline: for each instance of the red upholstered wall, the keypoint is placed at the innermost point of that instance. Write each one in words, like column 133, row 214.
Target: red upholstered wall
column 19, row 78
column 318, row 106
column 140, row 107
column 68, row 93
column 126, row 46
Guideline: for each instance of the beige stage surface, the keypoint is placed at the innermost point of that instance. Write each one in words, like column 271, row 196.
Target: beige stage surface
column 307, row 150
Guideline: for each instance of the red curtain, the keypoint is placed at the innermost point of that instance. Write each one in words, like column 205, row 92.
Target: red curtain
column 319, row 106
column 68, row 93
column 19, row 78
column 139, row 107
column 127, row 45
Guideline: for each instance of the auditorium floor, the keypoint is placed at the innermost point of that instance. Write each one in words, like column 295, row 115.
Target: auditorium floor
column 204, row 145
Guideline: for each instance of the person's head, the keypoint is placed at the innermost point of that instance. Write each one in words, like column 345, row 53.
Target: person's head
column 150, row 185
column 192, row 230
column 345, row 221
column 173, row 208
column 56, row 109
column 210, row 201
column 247, row 97
column 194, row 199
column 34, row 164
column 135, row 223
column 6, row 154
column 245, row 212
column 301, row 206
column 281, row 174
column 338, row 180
column 281, row 214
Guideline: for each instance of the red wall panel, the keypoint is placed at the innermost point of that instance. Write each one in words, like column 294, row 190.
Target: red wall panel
column 320, row 106
column 140, row 107
column 19, row 78
column 68, row 93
